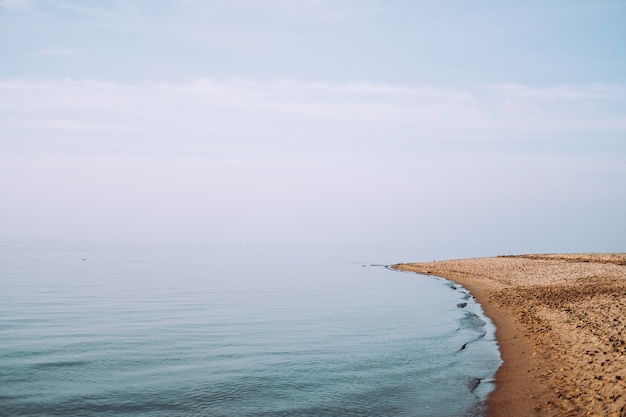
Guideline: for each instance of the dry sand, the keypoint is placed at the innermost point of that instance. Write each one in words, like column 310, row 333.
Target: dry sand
column 561, row 327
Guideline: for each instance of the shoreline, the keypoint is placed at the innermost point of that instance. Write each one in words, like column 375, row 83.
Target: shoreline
column 560, row 325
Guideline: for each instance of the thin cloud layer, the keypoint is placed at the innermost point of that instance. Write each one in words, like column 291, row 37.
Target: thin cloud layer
column 14, row 4
column 445, row 128
column 206, row 112
column 403, row 42
column 227, row 161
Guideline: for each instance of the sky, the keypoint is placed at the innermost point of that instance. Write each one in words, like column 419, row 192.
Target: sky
column 429, row 129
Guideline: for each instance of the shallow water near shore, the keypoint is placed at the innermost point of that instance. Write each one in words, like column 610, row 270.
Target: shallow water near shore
column 149, row 330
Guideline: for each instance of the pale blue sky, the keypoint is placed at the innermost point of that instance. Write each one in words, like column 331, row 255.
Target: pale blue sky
column 437, row 129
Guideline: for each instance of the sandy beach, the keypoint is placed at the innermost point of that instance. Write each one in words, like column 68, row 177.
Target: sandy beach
column 561, row 328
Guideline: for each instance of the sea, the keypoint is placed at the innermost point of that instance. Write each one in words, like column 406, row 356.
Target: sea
column 234, row 331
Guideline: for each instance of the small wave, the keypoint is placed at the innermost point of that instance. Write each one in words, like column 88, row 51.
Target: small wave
column 478, row 338
column 466, row 295
column 61, row 364
column 472, row 321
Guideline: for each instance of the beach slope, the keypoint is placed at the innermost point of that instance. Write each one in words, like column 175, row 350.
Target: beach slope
column 561, row 327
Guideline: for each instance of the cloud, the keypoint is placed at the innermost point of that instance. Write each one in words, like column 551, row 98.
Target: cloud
column 562, row 108
column 560, row 93
column 80, row 8
column 46, row 8
column 369, row 117
column 303, row 10
column 56, row 51
column 15, row 4
column 285, row 161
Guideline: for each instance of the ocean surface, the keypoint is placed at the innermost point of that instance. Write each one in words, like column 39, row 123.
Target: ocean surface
column 175, row 330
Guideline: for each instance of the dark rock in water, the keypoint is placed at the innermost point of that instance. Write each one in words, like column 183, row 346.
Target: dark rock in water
column 473, row 384
column 453, row 287
column 461, row 305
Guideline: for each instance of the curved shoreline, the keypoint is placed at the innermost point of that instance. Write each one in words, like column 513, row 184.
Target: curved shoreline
column 560, row 325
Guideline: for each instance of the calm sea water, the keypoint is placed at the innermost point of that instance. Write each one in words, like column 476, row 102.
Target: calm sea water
column 129, row 330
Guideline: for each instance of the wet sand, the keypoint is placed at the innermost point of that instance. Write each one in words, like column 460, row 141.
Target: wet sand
column 561, row 327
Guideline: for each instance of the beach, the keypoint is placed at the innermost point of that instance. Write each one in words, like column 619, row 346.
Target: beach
column 561, row 328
